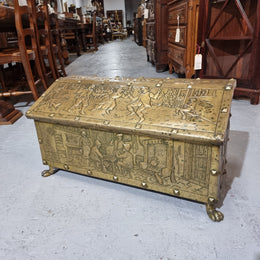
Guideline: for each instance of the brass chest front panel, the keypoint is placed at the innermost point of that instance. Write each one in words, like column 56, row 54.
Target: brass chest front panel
column 173, row 167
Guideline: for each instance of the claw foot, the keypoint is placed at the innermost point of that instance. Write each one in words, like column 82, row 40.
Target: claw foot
column 214, row 214
column 49, row 172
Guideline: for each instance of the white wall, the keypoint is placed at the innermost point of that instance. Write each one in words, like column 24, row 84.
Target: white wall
column 115, row 5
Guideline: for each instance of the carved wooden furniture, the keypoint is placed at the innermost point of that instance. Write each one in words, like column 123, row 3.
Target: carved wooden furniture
column 157, row 41
column 69, row 37
column 150, row 31
column 8, row 114
column 115, row 16
column 44, row 41
column 161, row 11
column 166, row 135
column 91, row 37
column 99, row 7
column 182, row 24
column 22, row 54
column 56, row 39
column 230, row 40
column 120, row 35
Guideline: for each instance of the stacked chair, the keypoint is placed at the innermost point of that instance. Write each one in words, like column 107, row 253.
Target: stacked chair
column 91, row 36
column 44, row 43
column 38, row 49
column 25, row 53
column 56, row 40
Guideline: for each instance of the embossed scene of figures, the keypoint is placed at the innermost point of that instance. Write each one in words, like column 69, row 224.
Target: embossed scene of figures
column 155, row 161
column 142, row 105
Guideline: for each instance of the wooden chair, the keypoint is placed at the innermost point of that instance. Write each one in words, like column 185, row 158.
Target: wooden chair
column 44, row 42
column 70, row 35
column 56, row 40
column 24, row 54
column 91, row 36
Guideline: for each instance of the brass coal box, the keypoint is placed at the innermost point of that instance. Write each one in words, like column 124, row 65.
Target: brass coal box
column 165, row 135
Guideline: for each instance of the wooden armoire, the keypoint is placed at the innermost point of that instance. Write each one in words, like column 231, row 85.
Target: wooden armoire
column 157, row 41
column 229, row 36
column 150, row 31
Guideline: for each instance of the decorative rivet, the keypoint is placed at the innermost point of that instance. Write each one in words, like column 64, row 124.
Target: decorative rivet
column 197, row 78
column 189, row 86
column 224, row 110
column 214, row 172
column 44, row 161
column 89, row 172
column 176, row 192
column 43, row 95
column 168, row 78
column 28, row 112
column 79, row 81
column 128, row 84
column 66, row 167
column 211, row 200
column 219, row 137
column 144, row 185
column 115, row 178
column 51, row 115
column 40, row 141
column 83, row 133
column 106, row 122
column 77, row 118
column 102, row 82
column 158, row 85
column 228, row 87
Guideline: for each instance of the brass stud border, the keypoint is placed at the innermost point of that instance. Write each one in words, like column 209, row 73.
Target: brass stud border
column 176, row 192
column 144, row 185
column 224, row 110
column 214, row 172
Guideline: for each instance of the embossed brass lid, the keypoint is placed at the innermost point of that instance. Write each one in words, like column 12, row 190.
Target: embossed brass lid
column 180, row 108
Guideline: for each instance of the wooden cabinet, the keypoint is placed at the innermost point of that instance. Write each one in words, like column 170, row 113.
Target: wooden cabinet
column 150, row 31
column 182, row 20
column 156, row 27
column 229, row 36
column 161, row 48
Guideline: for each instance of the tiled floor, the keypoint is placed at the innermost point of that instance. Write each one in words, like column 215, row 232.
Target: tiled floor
column 69, row 216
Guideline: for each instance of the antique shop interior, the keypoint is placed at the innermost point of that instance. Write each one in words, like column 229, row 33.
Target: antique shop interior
column 145, row 132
